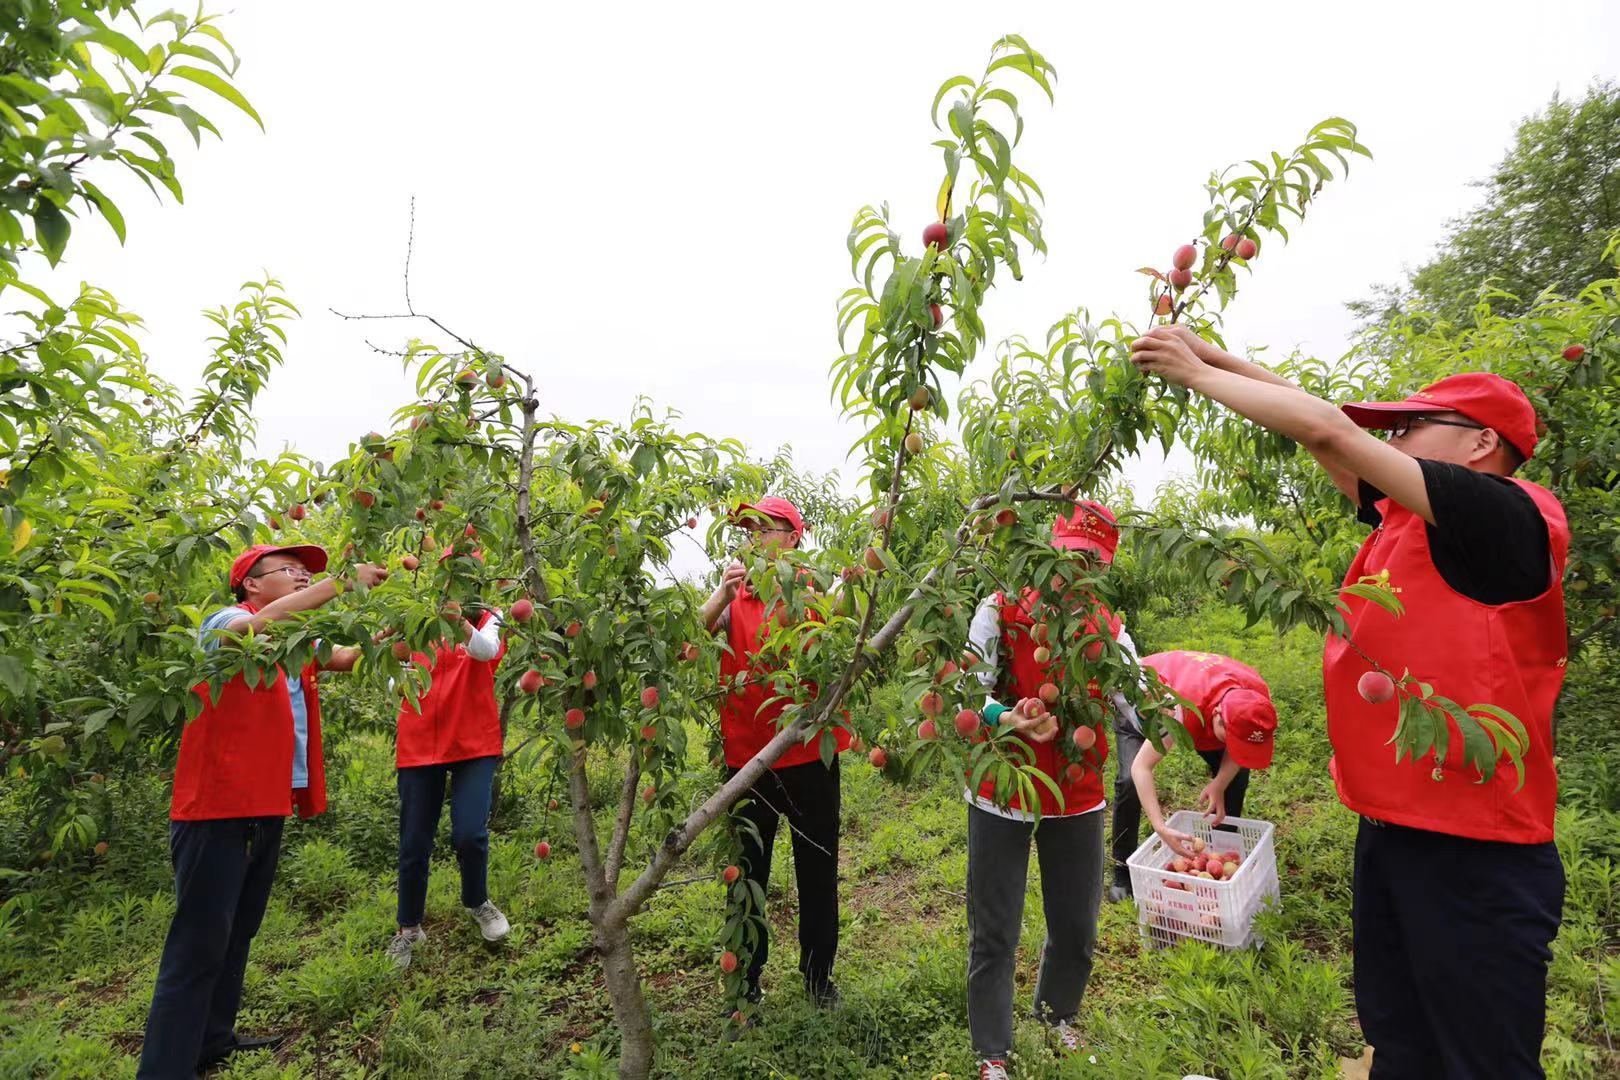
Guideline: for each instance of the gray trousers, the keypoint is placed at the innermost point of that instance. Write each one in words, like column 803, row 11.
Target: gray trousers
column 1070, row 851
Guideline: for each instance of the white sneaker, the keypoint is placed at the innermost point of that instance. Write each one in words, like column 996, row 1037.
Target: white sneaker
column 491, row 923
column 993, row 1070
column 399, row 950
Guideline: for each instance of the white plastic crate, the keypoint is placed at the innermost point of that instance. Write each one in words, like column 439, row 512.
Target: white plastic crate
column 1220, row 912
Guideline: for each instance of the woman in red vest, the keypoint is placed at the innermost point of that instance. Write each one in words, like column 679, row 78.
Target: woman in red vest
column 452, row 734
column 1233, row 727
column 1069, row 841
column 1458, row 886
column 798, row 787
column 246, row 760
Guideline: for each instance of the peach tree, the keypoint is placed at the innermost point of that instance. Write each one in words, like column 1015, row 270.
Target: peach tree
column 118, row 492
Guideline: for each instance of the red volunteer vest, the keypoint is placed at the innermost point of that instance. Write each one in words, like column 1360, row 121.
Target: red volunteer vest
column 1204, row 678
column 747, row 715
column 236, row 758
column 1508, row 655
column 459, row 717
column 1021, row 678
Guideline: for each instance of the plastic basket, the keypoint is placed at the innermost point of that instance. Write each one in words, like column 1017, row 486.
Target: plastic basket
column 1172, row 907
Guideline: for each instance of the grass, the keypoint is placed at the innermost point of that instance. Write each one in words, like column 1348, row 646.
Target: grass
column 79, row 943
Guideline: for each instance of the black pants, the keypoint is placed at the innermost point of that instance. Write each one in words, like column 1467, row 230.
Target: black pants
column 223, row 870
column 1452, row 941
column 1070, row 851
column 1128, row 806
column 421, row 800
column 808, row 796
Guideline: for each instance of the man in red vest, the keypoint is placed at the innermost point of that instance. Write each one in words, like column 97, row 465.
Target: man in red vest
column 1233, row 725
column 1069, row 841
column 452, row 734
column 1458, row 887
column 245, row 762
column 798, row 787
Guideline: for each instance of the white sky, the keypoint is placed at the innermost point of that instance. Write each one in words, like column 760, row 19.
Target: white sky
column 654, row 199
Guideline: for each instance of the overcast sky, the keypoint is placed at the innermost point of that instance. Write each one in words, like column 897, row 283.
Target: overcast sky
column 654, row 199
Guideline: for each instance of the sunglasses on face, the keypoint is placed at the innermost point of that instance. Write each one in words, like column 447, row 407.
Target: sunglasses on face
column 1403, row 424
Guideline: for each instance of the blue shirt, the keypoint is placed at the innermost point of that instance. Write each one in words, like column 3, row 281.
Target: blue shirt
column 209, row 638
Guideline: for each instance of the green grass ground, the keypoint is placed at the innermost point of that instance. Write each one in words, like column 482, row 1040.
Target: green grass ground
column 79, row 944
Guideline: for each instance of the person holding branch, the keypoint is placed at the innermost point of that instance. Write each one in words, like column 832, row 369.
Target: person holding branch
column 799, row 786
column 453, row 734
column 1458, row 887
column 249, row 758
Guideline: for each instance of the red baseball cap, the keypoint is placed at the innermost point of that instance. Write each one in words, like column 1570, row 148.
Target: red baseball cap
column 311, row 556
column 1251, row 727
column 1484, row 398
column 777, row 507
column 1092, row 528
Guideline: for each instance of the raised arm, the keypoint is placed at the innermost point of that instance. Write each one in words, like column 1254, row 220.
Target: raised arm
column 1346, row 451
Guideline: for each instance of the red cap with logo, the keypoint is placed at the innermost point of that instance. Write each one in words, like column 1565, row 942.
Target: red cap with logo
column 1091, row 528
column 314, row 558
column 1251, row 727
column 1484, row 398
column 777, row 507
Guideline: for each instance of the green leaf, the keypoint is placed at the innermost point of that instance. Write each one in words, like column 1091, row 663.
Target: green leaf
column 108, row 208
column 51, row 228
column 218, row 85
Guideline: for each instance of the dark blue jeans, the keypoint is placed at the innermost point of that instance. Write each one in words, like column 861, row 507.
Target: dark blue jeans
column 223, row 870
column 421, row 798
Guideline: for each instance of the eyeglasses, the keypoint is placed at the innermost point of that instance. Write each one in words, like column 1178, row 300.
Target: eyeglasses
column 290, row 571
column 1403, row 424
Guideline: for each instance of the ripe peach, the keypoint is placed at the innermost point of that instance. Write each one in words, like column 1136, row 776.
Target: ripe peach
column 542, row 850
column 931, row 703
column 1180, row 279
column 731, row 874
column 574, row 718
column 1375, row 687
column 728, row 961
column 927, row 731
column 1574, row 352
column 1048, row 693
column 877, row 757
column 967, row 722
column 936, row 235
column 1247, row 249
column 1085, row 738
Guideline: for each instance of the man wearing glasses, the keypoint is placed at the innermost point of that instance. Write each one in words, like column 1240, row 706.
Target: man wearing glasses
column 249, row 758
column 1458, row 887
column 798, row 787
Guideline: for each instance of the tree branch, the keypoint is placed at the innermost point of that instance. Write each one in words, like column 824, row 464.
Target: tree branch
column 621, row 825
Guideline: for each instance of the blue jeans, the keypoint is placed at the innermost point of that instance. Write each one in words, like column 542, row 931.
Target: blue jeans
column 223, row 870
column 421, row 797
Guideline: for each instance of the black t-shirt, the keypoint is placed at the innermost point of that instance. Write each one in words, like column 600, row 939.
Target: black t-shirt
column 1489, row 541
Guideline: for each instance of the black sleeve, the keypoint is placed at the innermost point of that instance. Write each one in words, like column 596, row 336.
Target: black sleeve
column 1366, row 510
column 1488, row 539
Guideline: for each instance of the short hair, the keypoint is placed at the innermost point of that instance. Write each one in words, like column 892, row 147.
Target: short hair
column 1512, row 456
